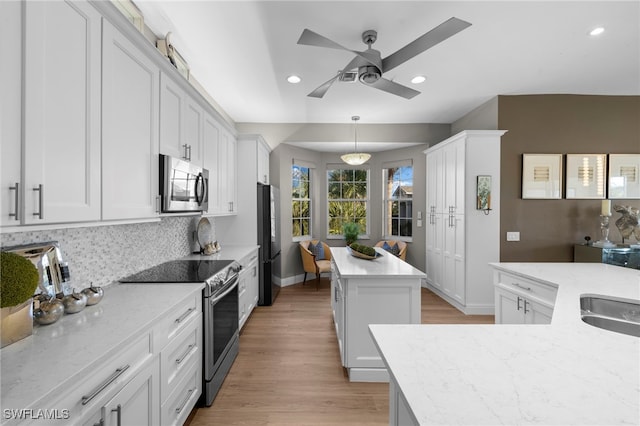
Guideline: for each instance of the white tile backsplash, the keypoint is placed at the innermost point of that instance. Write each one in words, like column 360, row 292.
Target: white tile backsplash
column 104, row 254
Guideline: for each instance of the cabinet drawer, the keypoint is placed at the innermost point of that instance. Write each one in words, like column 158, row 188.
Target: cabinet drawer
column 186, row 393
column 95, row 385
column 176, row 320
column 245, row 261
column 179, row 355
column 527, row 287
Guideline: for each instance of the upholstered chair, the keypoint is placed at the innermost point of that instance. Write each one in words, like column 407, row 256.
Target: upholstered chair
column 399, row 248
column 316, row 258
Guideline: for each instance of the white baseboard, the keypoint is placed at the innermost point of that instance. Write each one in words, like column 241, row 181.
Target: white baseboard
column 465, row 309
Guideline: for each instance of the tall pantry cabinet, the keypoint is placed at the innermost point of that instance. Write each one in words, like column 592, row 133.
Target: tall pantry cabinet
column 461, row 240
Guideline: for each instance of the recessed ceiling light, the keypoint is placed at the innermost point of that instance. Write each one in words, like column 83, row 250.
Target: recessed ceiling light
column 596, row 31
column 418, row 79
column 294, row 79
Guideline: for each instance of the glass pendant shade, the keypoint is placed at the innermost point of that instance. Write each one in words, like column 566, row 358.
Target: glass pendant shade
column 355, row 158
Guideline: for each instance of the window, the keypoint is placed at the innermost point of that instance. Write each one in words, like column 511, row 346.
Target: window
column 398, row 205
column 301, row 202
column 347, row 199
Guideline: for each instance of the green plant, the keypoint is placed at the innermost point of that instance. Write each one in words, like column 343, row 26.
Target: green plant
column 350, row 230
column 369, row 251
column 18, row 279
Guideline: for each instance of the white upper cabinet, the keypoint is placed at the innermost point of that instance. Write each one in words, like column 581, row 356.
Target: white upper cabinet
column 210, row 147
column 62, row 76
column 130, row 129
column 263, row 162
column 10, row 112
column 181, row 121
column 219, row 154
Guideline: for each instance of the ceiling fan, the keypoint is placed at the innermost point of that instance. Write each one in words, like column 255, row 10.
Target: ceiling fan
column 370, row 64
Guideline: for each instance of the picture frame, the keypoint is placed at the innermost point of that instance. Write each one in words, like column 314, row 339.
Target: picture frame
column 586, row 176
column 483, row 192
column 624, row 176
column 542, row 176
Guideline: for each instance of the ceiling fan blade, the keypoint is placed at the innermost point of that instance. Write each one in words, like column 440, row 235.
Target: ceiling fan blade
column 319, row 91
column 322, row 89
column 394, row 88
column 311, row 38
column 426, row 41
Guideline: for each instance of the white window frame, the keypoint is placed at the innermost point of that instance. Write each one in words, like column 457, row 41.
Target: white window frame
column 385, row 200
column 310, row 166
column 367, row 200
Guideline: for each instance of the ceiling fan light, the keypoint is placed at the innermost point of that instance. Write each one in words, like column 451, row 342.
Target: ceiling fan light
column 356, row 158
column 369, row 74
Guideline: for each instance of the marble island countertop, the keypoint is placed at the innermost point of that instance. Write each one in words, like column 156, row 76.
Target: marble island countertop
column 565, row 373
column 383, row 266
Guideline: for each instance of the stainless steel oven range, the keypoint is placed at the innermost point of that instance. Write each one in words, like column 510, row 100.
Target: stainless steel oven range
column 220, row 311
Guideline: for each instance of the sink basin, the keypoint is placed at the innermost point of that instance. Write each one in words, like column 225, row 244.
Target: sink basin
column 609, row 313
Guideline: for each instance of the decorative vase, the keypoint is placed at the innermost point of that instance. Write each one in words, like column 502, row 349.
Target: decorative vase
column 16, row 322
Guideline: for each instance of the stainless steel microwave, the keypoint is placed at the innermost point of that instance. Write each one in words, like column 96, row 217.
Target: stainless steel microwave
column 184, row 187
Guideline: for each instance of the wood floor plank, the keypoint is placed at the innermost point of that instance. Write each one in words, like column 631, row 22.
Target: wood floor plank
column 288, row 371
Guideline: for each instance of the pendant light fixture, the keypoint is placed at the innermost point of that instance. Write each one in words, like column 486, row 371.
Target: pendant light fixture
column 355, row 158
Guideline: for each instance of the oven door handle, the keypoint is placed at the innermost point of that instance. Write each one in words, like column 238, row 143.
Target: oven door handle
column 227, row 291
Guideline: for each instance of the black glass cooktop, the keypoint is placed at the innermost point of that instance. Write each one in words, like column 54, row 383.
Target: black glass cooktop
column 179, row 271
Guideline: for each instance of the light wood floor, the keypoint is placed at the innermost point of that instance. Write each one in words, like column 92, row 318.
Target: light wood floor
column 288, row 371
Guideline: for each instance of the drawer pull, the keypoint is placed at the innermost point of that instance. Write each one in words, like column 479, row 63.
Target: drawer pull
column 518, row 307
column 184, row 403
column 183, row 316
column 107, row 382
column 522, row 287
column 526, row 302
column 118, row 411
column 184, row 355
column 17, row 200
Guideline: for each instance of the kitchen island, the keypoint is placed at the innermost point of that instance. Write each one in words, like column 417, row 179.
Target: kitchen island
column 385, row 290
column 567, row 372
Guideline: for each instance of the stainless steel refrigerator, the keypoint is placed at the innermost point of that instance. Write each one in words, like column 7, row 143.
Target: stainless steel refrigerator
column 269, row 242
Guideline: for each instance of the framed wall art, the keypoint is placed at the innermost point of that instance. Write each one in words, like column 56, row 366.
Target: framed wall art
column 586, row 176
column 483, row 193
column 624, row 181
column 541, row 176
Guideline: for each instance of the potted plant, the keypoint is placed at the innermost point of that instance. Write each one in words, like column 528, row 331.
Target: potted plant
column 350, row 230
column 18, row 281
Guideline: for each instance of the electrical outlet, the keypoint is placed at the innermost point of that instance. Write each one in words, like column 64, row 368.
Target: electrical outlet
column 419, row 215
column 419, row 223
column 513, row 236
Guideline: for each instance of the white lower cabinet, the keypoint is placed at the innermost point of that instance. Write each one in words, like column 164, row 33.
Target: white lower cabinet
column 135, row 404
column 400, row 413
column 248, row 287
column 521, row 300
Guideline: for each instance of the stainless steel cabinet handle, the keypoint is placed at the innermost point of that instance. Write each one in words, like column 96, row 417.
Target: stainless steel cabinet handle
column 518, row 305
column 184, row 155
column 107, row 382
column 184, row 403
column 526, row 302
column 118, row 411
column 158, row 199
column 184, row 355
column 522, row 287
column 183, row 316
column 103, row 414
column 40, row 212
column 17, row 200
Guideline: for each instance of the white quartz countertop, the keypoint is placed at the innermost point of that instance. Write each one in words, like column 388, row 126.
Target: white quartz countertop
column 384, row 266
column 565, row 373
column 45, row 363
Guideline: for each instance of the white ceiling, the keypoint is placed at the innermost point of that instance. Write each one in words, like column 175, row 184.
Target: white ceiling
column 242, row 52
